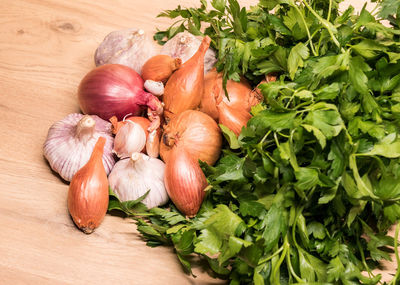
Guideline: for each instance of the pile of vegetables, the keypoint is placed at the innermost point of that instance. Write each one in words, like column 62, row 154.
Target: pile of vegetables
column 306, row 182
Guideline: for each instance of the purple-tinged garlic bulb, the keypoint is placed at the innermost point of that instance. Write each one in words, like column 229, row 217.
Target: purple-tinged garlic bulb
column 130, row 47
column 70, row 143
column 184, row 45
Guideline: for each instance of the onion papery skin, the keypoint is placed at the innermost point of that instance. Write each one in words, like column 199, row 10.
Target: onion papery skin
column 185, row 182
column 115, row 90
column 194, row 131
column 232, row 118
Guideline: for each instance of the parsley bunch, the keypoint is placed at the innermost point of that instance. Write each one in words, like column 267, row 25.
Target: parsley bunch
column 309, row 189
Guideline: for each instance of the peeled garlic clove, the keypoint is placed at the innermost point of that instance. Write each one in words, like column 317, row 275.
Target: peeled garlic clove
column 131, row 178
column 185, row 182
column 70, row 142
column 154, row 87
column 130, row 138
column 184, row 45
column 130, row 47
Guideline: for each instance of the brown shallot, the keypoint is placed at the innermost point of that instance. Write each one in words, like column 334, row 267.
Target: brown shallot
column 184, row 89
column 160, row 67
column 194, row 131
column 232, row 111
column 185, row 181
column 88, row 192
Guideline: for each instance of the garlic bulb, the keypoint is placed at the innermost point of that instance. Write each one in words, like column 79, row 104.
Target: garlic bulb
column 184, row 45
column 130, row 47
column 129, row 139
column 70, row 143
column 131, row 178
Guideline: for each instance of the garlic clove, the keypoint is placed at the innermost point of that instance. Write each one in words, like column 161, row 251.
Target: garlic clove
column 154, row 87
column 70, row 142
column 129, row 139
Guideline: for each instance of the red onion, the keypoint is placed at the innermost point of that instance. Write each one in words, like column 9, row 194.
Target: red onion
column 115, row 90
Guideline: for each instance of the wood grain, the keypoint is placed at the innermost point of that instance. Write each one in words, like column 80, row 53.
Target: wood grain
column 46, row 47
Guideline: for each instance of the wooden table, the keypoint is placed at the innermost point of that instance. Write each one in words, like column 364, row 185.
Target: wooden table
column 46, row 47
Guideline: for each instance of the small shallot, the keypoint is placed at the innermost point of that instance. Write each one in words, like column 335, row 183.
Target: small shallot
column 185, row 182
column 88, row 192
column 131, row 178
column 70, row 143
column 160, row 67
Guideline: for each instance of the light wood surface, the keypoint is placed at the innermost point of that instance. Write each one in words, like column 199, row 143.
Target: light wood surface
column 46, row 47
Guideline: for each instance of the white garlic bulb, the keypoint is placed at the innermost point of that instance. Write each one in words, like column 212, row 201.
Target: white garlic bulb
column 184, row 45
column 129, row 139
column 130, row 47
column 70, row 143
column 131, row 178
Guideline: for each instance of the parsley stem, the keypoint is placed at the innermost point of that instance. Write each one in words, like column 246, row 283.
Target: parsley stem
column 396, row 251
column 329, row 11
column 271, row 256
column 264, row 138
column 291, row 269
column 324, row 23
column 298, row 212
column 363, row 256
column 307, row 30
column 279, row 263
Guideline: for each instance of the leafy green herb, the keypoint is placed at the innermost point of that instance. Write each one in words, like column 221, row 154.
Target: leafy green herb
column 308, row 191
